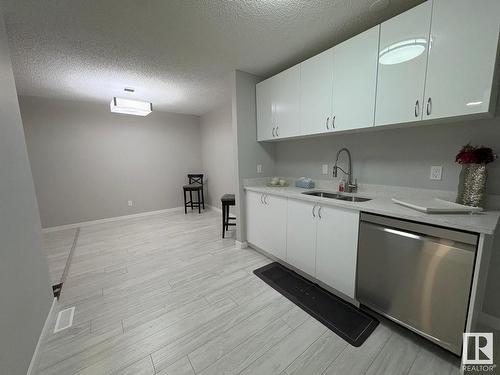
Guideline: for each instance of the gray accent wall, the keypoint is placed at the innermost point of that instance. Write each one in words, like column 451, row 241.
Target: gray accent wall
column 247, row 151
column 217, row 153
column 88, row 162
column 399, row 157
column 25, row 294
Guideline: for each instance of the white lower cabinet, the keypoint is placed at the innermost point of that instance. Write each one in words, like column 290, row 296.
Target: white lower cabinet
column 301, row 236
column 322, row 241
column 337, row 248
column 266, row 222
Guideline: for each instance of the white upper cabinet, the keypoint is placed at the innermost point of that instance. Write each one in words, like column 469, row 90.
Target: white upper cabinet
column 355, row 81
column 436, row 60
column 265, row 121
column 464, row 42
column 285, row 102
column 316, row 85
column 404, row 42
column 278, row 105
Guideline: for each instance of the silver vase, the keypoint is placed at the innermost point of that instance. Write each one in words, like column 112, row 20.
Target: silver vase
column 472, row 185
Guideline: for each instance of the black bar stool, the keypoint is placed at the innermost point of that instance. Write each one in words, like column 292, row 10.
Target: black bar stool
column 227, row 200
column 196, row 185
column 198, row 179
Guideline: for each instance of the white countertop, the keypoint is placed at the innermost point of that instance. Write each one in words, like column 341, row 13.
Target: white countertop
column 484, row 222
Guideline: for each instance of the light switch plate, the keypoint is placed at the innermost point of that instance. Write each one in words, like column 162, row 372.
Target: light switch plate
column 130, row 203
column 436, row 172
column 325, row 168
column 259, row 168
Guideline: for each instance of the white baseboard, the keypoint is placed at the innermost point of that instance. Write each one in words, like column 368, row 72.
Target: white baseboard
column 241, row 245
column 111, row 219
column 45, row 328
column 219, row 210
column 489, row 320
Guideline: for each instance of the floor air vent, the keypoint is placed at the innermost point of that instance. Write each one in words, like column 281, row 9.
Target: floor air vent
column 64, row 319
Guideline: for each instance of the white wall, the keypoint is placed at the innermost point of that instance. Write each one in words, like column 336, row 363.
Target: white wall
column 217, row 153
column 25, row 294
column 88, row 162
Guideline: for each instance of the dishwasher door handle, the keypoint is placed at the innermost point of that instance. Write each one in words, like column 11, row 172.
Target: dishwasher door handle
column 424, row 238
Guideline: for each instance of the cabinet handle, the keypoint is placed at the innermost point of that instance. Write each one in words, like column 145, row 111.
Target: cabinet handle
column 314, row 208
column 327, row 120
column 265, row 199
column 277, row 135
column 319, row 212
column 429, row 106
column 417, row 108
column 333, row 122
column 261, row 198
column 273, row 132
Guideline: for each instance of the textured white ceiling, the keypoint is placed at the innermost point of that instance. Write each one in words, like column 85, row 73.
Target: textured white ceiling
column 179, row 54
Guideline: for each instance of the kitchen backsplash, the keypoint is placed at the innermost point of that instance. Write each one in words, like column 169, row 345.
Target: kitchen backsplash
column 395, row 157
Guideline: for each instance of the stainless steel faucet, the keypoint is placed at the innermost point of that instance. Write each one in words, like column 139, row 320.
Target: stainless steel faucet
column 351, row 187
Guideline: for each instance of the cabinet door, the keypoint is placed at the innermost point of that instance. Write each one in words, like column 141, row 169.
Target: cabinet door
column 316, row 85
column 336, row 249
column 285, row 101
column 464, row 42
column 264, row 110
column 355, row 80
column 274, row 225
column 402, row 63
column 254, row 216
column 301, row 236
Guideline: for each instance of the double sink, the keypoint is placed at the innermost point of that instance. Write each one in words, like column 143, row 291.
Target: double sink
column 342, row 197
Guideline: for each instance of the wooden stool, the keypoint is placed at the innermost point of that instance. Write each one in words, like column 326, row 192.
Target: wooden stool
column 227, row 200
column 198, row 189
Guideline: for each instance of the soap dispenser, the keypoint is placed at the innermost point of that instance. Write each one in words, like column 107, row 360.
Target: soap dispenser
column 342, row 185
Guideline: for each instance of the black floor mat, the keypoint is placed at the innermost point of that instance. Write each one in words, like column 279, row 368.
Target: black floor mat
column 347, row 321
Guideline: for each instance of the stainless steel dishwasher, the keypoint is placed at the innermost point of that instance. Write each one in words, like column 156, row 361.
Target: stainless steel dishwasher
column 417, row 275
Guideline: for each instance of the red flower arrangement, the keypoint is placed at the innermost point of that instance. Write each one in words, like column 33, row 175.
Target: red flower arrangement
column 475, row 155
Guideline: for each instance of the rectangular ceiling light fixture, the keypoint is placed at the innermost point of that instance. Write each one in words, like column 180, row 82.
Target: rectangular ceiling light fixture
column 131, row 107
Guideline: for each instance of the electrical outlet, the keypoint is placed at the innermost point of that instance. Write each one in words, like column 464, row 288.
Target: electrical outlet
column 259, row 168
column 325, row 168
column 130, row 203
column 436, row 172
